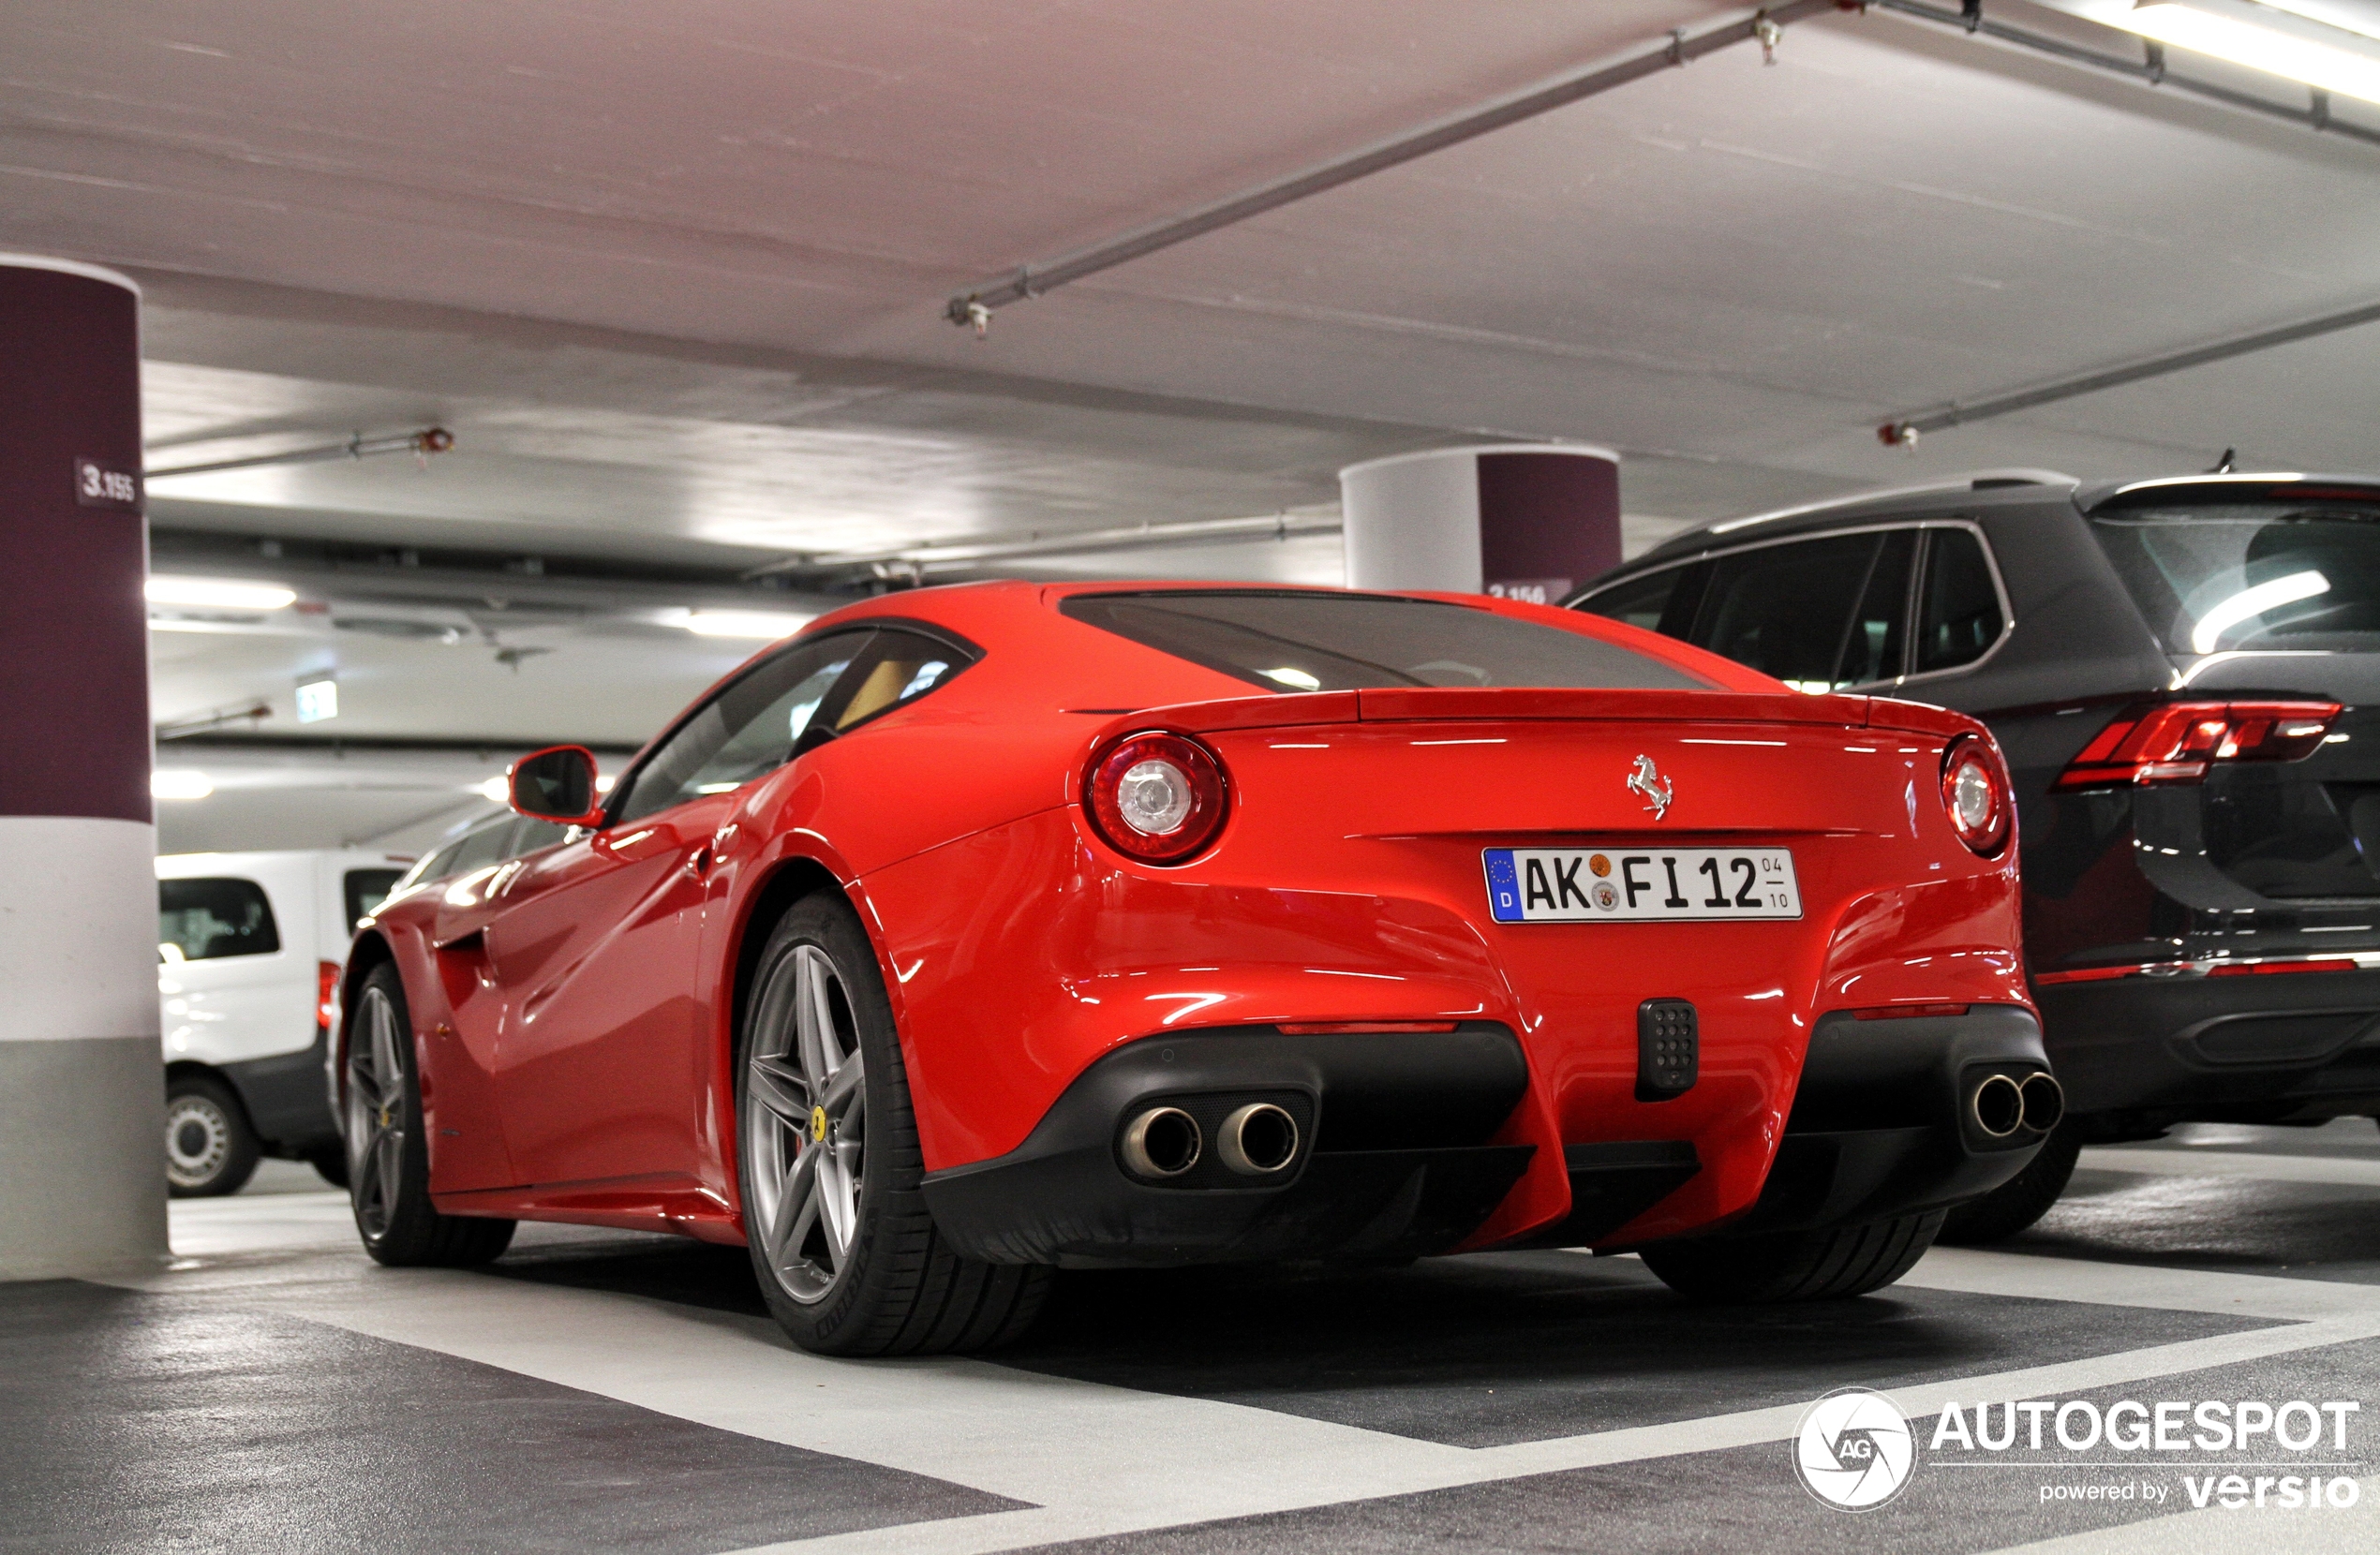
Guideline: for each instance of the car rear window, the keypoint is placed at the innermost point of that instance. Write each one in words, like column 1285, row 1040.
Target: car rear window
column 366, row 889
column 1290, row 641
column 2251, row 575
column 205, row 920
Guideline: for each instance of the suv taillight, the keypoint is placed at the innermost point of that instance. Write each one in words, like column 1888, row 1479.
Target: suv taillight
column 1975, row 795
column 326, row 993
column 2176, row 742
column 1156, row 797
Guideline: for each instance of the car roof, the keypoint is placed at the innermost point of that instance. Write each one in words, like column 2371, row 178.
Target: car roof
column 1951, row 494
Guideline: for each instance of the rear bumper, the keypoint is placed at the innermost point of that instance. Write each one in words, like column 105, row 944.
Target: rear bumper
column 1411, row 1147
column 284, row 1095
column 1880, row 1125
column 1401, row 1161
column 2303, row 1044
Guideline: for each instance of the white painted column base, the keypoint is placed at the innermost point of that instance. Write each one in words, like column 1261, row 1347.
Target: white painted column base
column 81, row 1081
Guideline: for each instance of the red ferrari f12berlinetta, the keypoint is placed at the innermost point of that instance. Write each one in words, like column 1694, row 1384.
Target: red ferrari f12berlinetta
column 979, row 931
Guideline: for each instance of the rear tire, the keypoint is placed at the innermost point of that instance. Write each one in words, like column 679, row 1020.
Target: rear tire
column 388, row 1157
column 2022, row 1199
column 829, row 1169
column 210, row 1151
column 1795, row 1266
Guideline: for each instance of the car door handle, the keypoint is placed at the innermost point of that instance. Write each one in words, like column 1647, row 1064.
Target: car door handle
column 698, row 862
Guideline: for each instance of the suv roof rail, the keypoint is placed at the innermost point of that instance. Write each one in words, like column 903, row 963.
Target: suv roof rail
column 1981, row 480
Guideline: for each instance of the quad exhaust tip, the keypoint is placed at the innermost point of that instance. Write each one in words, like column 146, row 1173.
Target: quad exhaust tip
column 1258, row 1140
column 1998, row 1104
column 2045, row 1102
column 2003, row 1105
column 1163, row 1142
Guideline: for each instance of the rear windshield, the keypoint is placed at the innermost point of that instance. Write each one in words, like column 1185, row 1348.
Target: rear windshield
column 205, row 920
column 1300, row 641
column 2251, row 575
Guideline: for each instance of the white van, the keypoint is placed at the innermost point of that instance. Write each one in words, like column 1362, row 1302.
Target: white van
column 250, row 947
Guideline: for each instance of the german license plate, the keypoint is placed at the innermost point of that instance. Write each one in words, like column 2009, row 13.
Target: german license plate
column 1586, row 885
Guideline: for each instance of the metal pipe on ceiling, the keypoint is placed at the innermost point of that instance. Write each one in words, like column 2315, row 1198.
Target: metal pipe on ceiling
column 2150, row 68
column 943, row 556
column 1902, row 430
column 1681, row 46
column 428, row 441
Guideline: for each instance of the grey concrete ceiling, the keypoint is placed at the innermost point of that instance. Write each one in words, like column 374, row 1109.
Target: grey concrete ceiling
column 673, row 270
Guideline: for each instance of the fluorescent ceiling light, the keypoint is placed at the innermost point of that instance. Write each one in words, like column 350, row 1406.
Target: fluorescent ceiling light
column 170, row 782
column 739, row 623
column 2347, row 15
column 218, row 594
column 2228, row 33
column 496, row 788
column 2251, row 603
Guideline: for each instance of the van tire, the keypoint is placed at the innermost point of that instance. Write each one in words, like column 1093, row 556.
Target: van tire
column 209, row 1149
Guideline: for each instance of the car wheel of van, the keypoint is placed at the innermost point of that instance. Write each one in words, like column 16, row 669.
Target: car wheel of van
column 209, row 1148
column 830, row 1166
column 388, row 1157
column 2023, row 1198
column 1795, row 1266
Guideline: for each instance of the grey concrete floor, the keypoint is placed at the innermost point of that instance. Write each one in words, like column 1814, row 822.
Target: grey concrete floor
column 274, row 1390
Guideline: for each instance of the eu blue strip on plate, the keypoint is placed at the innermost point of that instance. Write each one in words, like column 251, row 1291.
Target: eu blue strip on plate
column 1504, row 886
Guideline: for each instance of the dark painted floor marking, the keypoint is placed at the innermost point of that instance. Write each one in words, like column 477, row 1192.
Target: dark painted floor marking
column 133, row 1422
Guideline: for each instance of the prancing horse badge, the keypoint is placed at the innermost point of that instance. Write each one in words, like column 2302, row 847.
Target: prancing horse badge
column 1648, row 780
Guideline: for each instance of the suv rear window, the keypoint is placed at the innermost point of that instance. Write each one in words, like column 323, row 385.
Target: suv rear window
column 1301, row 641
column 205, row 920
column 2251, row 575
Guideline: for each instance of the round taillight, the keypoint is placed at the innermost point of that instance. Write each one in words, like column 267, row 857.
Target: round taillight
column 1975, row 795
column 1159, row 798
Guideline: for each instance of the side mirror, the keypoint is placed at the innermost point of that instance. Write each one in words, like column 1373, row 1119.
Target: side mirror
column 557, row 784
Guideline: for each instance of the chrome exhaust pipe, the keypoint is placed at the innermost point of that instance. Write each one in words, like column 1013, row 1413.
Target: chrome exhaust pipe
column 2045, row 1102
column 1162, row 1142
column 1997, row 1105
column 1258, row 1140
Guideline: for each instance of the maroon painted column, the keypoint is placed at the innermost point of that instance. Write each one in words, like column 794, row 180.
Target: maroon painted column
column 81, row 1086
column 1529, row 522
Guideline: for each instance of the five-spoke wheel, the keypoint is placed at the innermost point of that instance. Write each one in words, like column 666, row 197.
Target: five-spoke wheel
column 805, row 1123
column 841, row 1242
column 388, row 1158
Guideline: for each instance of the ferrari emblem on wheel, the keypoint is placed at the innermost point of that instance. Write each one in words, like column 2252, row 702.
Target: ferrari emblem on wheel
column 1648, row 780
column 818, row 1124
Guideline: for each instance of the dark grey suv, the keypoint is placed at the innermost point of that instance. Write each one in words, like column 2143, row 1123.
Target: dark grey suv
column 2185, row 676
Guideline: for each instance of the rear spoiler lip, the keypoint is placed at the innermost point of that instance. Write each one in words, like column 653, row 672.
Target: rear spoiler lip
column 1436, row 704
column 2248, row 486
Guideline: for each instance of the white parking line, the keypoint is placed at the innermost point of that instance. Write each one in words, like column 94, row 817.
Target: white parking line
column 2235, row 1163
column 1095, row 1460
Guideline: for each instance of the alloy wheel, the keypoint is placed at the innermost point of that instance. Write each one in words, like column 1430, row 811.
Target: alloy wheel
column 804, row 1116
column 375, row 1111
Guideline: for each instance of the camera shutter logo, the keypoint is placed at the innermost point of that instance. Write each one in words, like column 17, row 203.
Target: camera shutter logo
column 1853, row 1450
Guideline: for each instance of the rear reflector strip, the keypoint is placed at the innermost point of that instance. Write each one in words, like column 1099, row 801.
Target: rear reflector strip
column 2176, row 742
column 1342, row 1028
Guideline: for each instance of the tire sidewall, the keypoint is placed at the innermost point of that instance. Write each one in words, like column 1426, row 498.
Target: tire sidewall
column 411, row 1202
column 891, row 1169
